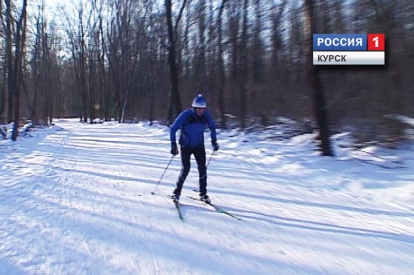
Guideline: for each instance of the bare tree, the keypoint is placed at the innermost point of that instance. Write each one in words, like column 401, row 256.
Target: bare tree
column 221, row 69
column 9, row 61
column 257, row 57
column 243, row 69
column 15, row 76
column 175, row 98
column 315, row 83
column 3, row 87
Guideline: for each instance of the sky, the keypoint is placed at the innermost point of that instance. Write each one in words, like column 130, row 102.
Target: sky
column 77, row 198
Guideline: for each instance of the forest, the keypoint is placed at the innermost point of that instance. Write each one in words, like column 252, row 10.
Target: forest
column 133, row 60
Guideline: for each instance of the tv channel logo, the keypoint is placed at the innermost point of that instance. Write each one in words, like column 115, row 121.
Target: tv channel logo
column 348, row 49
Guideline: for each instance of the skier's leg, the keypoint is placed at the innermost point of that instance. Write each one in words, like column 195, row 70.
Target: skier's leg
column 186, row 164
column 200, row 157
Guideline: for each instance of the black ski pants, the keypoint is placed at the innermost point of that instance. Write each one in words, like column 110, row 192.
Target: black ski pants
column 199, row 153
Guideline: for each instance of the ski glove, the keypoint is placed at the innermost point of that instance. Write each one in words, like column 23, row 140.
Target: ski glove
column 215, row 145
column 174, row 149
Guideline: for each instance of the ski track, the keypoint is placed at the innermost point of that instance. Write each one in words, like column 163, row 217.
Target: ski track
column 80, row 202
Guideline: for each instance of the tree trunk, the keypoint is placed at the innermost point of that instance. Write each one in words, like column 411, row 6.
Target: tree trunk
column 315, row 84
column 20, row 42
column 3, row 87
column 222, row 75
column 243, row 68
column 175, row 100
column 9, row 61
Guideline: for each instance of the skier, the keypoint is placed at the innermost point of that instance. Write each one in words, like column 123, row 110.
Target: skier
column 192, row 123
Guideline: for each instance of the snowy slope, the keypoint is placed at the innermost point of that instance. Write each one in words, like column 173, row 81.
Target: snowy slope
column 76, row 199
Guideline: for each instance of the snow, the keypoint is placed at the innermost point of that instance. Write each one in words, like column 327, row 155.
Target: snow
column 76, row 199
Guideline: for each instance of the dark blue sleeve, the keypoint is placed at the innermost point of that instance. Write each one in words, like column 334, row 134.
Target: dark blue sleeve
column 211, row 125
column 179, row 121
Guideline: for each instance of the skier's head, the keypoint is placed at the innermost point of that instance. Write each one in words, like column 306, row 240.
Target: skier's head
column 199, row 104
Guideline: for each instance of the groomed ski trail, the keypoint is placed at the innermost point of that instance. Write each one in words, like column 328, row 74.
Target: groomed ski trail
column 79, row 202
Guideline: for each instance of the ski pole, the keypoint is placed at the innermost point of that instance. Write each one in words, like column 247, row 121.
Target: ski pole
column 208, row 162
column 210, row 158
column 162, row 175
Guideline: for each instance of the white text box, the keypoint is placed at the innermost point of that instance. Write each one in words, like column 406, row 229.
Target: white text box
column 348, row 58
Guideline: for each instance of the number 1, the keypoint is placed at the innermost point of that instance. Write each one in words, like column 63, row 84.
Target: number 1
column 375, row 39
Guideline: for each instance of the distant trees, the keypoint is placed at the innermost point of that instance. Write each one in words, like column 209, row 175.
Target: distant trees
column 131, row 60
column 43, row 87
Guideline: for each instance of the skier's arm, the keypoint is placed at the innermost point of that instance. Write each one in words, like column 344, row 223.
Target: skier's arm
column 211, row 125
column 177, row 125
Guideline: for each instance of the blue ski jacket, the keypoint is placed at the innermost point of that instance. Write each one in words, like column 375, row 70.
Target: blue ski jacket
column 192, row 128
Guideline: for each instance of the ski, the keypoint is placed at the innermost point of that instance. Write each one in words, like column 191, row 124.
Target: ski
column 177, row 206
column 217, row 208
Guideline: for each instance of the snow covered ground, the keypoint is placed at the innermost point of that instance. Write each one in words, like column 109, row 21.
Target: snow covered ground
column 76, row 199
